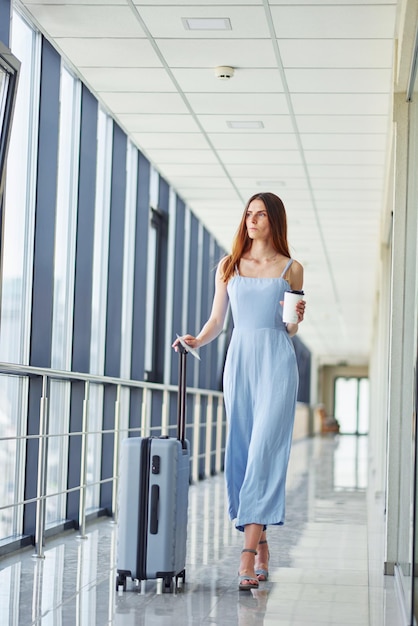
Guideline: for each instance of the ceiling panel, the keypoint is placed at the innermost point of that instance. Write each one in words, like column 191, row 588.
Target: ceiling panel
column 165, row 156
column 313, row 78
column 337, row 141
column 128, row 79
column 170, row 141
column 134, row 102
column 344, row 157
column 108, row 52
column 333, row 21
column 336, row 53
column 326, row 80
column 257, row 141
column 343, row 124
column 237, row 104
column 343, row 104
column 83, row 20
column 210, row 53
column 148, row 123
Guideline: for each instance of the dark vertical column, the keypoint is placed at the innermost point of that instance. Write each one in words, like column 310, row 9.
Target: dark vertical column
column 178, row 287
column 114, row 301
column 191, row 313
column 192, row 322
column 160, row 223
column 204, row 365
column 215, row 372
column 140, row 282
column 5, row 13
column 43, row 262
column 205, row 306
column 177, row 304
column 82, row 284
column 161, row 282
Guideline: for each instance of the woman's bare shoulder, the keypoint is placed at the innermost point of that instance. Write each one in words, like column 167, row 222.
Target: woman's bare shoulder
column 296, row 266
column 296, row 275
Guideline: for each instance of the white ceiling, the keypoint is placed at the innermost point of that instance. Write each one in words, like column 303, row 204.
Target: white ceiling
column 318, row 75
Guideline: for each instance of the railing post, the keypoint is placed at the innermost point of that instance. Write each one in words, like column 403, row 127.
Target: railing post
column 209, row 422
column 42, row 474
column 116, row 456
column 165, row 412
column 196, row 438
column 83, row 464
column 145, row 412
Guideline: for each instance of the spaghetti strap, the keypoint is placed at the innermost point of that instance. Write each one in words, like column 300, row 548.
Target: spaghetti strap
column 236, row 270
column 288, row 264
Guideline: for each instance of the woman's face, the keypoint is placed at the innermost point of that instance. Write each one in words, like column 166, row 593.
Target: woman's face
column 257, row 221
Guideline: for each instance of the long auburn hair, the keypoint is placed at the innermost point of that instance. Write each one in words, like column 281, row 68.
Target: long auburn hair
column 276, row 214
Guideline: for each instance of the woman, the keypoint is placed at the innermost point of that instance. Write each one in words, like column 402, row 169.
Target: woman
column 260, row 377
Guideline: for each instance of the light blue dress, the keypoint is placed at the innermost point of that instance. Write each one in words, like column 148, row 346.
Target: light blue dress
column 260, row 389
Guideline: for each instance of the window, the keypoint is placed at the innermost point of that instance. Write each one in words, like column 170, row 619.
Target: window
column 9, row 71
column 351, row 405
column 17, row 256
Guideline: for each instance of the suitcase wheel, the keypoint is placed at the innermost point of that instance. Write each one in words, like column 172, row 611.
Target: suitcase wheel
column 120, row 582
column 181, row 579
column 168, row 584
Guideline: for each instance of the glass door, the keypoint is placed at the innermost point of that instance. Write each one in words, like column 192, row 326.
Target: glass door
column 351, row 405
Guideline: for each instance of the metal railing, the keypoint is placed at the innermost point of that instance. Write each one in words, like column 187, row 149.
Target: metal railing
column 212, row 420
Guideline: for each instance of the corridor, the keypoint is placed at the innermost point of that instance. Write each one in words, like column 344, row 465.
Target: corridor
column 325, row 563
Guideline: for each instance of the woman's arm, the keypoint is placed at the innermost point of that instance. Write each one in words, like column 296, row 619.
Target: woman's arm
column 215, row 323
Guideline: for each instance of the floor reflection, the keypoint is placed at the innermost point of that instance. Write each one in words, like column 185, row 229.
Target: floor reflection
column 318, row 568
column 252, row 607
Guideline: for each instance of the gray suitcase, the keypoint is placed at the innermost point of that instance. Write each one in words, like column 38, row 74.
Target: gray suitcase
column 153, row 503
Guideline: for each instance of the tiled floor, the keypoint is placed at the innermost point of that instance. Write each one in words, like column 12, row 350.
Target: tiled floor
column 319, row 568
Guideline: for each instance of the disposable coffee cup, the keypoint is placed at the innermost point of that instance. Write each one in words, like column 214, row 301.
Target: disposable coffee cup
column 291, row 298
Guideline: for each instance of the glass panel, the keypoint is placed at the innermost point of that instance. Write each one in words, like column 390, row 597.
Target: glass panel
column 66, row 219
column 346, row 404
column 101, row 243
column 94, row 446
column 64, row 268
column 13, row 405
column 16, row 278
column 4, row 82
column 99, row 296
column 59, row 410
column 151, row 271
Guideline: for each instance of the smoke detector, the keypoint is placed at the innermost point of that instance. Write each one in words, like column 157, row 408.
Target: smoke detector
column 224, row 72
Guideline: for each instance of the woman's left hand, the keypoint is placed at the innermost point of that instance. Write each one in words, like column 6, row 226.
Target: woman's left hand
column 300, row 310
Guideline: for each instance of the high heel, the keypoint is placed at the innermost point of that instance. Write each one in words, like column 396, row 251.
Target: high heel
column 263, row 574
column 246, row 582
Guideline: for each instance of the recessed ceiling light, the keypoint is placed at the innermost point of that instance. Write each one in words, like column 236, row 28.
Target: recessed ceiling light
column 245, row 124
column 206, row 23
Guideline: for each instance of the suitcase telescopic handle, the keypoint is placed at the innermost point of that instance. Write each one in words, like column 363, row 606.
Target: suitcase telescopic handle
column 181, row 400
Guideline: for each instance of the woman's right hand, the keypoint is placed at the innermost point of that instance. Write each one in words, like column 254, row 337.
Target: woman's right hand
column 189, row 339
